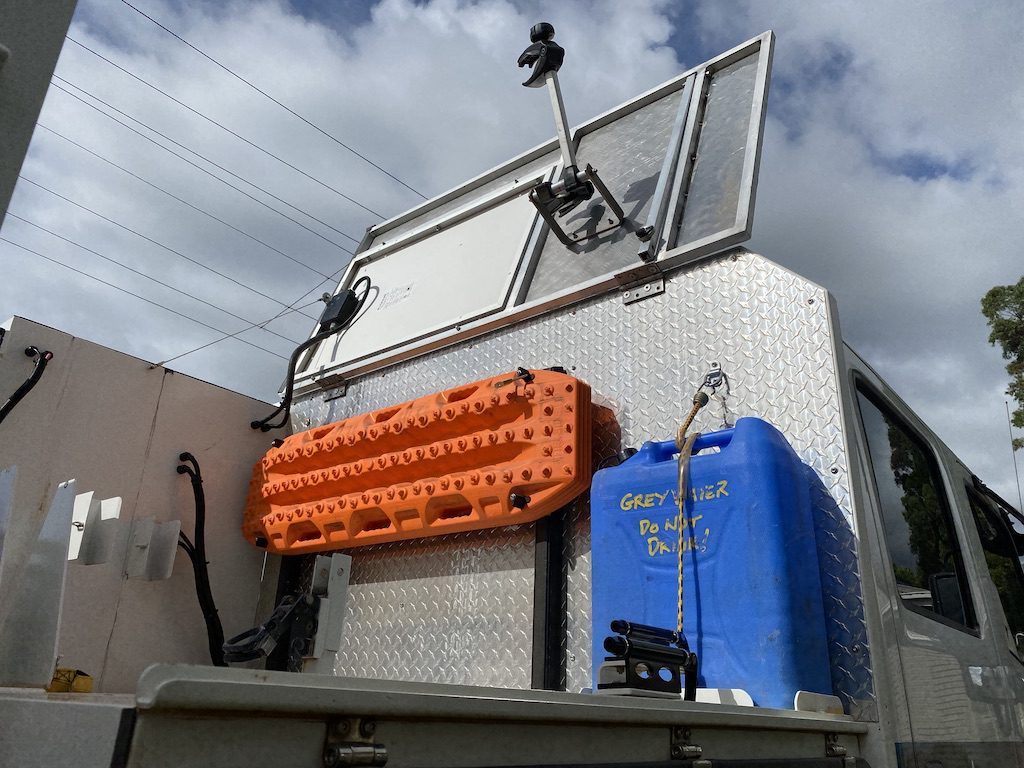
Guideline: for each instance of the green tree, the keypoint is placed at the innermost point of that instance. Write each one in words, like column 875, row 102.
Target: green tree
column 1003, row 307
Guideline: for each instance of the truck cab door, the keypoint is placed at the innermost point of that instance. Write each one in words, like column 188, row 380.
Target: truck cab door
column 1000, row 530
column 962, row 701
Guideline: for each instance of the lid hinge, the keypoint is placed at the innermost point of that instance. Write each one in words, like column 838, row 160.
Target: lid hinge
column 651, row 285
column 350, row 742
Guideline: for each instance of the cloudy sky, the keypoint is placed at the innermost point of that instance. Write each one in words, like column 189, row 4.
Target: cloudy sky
column 893, row 167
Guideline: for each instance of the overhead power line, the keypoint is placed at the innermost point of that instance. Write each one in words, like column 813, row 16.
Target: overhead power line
column 283, row 312
column 143, row 274
column 283, row 106
column 171, row 195
column 137, row 296
column 157, row 243
column 227, row 336
column 223, row 127
column 58, row 80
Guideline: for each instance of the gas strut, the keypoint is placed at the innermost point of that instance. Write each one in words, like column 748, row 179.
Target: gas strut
column 41, row 359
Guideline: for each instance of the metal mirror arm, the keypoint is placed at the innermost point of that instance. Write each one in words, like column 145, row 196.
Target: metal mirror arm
column 556, row 199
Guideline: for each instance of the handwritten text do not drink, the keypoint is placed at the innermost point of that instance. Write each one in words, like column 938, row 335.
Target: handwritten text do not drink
column 655, row 534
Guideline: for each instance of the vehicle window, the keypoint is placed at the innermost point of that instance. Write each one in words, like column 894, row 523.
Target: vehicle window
column 919, row 533
column 1002, row 555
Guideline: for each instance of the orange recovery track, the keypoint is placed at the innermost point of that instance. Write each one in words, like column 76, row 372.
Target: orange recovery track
column 500, row 451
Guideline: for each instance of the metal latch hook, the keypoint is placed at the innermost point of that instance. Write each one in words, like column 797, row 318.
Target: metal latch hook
column 715, row 379
column 521, row 375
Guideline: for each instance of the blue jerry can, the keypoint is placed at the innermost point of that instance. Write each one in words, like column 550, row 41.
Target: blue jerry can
column 753, row 609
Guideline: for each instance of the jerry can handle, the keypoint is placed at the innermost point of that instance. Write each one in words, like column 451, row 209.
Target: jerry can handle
column 666, row 450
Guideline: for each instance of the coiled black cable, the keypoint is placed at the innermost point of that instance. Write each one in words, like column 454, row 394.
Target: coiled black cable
column 196, row 552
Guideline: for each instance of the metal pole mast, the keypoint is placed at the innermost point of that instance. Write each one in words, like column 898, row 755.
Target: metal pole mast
column 1013, row 454
column 561, row 121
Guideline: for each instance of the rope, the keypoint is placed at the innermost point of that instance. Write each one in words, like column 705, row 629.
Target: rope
column 685, row 451
column 700, row 399
column 685, row 443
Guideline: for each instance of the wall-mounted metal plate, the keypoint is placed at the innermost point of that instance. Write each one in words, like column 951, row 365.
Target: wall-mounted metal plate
column 32, row 608
column 152, row 548
column 94, row 526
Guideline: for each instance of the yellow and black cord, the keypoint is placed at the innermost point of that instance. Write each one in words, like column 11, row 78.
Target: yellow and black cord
column 685, row 443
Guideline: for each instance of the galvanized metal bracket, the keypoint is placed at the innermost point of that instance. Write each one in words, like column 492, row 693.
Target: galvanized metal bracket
column 95, row 523
column 152, row 547
column 654, row 286
column 349, row 741
column 680, row 747
column 37, row 565
column 330, row 584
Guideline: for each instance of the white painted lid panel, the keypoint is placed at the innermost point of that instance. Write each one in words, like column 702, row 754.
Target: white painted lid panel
column 435, row 283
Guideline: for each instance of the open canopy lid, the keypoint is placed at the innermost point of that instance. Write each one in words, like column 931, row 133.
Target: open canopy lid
column 681, row 160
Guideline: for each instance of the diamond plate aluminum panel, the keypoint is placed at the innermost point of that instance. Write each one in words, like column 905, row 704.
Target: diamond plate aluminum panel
column 848, row 648
column 456, row 609
column 768, row 329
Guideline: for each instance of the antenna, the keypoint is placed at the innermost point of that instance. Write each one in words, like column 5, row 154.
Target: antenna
column 1013, row 455
column 556, row 199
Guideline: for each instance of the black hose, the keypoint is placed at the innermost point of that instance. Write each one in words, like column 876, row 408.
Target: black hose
column 341, row 324
column 41, row 359
column 196, row 552
column 285, row 407
column 185, row 544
